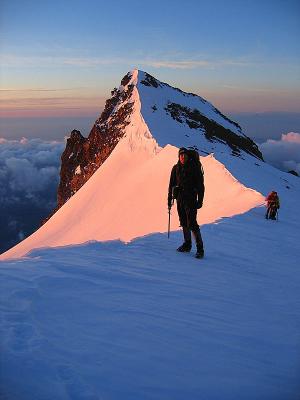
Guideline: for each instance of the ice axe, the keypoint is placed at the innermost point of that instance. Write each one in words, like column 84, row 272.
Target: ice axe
column 169, row 219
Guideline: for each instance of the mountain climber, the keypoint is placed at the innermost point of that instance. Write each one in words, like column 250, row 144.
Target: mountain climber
column 273, row 204
column 187, row 187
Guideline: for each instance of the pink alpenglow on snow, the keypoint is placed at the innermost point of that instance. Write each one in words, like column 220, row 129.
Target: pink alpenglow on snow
column 127, row 196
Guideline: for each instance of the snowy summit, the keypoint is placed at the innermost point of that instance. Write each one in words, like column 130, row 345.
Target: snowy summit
column 123, row 166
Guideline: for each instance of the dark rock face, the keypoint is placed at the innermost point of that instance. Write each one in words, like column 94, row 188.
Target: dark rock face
column 293, row 172
column 150, row 81
column 83, row 156
column 212, row 130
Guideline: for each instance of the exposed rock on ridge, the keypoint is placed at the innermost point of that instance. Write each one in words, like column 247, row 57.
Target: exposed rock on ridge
column 212, row 130
column 89, row 154
column 83, row 156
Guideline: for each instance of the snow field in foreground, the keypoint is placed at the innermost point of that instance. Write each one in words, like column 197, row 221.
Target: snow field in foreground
column 140, row 321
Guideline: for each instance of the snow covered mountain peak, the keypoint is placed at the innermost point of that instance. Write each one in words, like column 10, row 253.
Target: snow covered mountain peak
column 180, row 118
column 122, row 168
column 155, row 111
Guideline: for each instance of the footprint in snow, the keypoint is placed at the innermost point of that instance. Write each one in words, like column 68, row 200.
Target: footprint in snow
column 76, row 388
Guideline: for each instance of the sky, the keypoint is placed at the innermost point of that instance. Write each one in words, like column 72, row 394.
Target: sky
column 60, row 60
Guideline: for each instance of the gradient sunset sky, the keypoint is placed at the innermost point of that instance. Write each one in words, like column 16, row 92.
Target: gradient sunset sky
column 62, row 58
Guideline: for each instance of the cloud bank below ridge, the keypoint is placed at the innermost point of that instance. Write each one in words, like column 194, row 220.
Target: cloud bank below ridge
column 283, row 154
column 29, row 175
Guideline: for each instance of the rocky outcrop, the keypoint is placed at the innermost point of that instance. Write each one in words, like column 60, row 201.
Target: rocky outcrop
column 212, row 130
column 149, row 80
column 83, row 156
column 293, row 172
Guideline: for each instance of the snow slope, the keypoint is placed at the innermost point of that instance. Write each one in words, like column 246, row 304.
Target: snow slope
column 112, row 320
column 127, row 195
column 139, row 321
column 123, row 203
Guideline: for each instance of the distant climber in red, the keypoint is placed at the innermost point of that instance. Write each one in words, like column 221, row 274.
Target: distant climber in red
column 273, row 204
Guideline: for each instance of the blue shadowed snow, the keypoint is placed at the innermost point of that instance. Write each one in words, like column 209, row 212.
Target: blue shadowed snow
column 140, row 321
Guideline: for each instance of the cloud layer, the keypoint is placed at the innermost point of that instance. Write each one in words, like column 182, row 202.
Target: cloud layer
column 11, row 60
column 29, row 175
column 284, row 153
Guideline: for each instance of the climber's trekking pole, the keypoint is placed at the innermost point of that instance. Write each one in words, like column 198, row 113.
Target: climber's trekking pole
column 169, row 222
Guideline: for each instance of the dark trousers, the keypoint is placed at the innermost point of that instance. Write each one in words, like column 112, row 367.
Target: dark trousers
column 187, row 212
column 271, row 212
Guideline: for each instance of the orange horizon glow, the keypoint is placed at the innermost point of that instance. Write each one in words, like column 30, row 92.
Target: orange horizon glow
column 30, row 103
column 18, row 106
column 44, row 113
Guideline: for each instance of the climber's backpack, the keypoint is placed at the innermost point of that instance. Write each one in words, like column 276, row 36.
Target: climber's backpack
column 196, row 165
column 194, row 156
